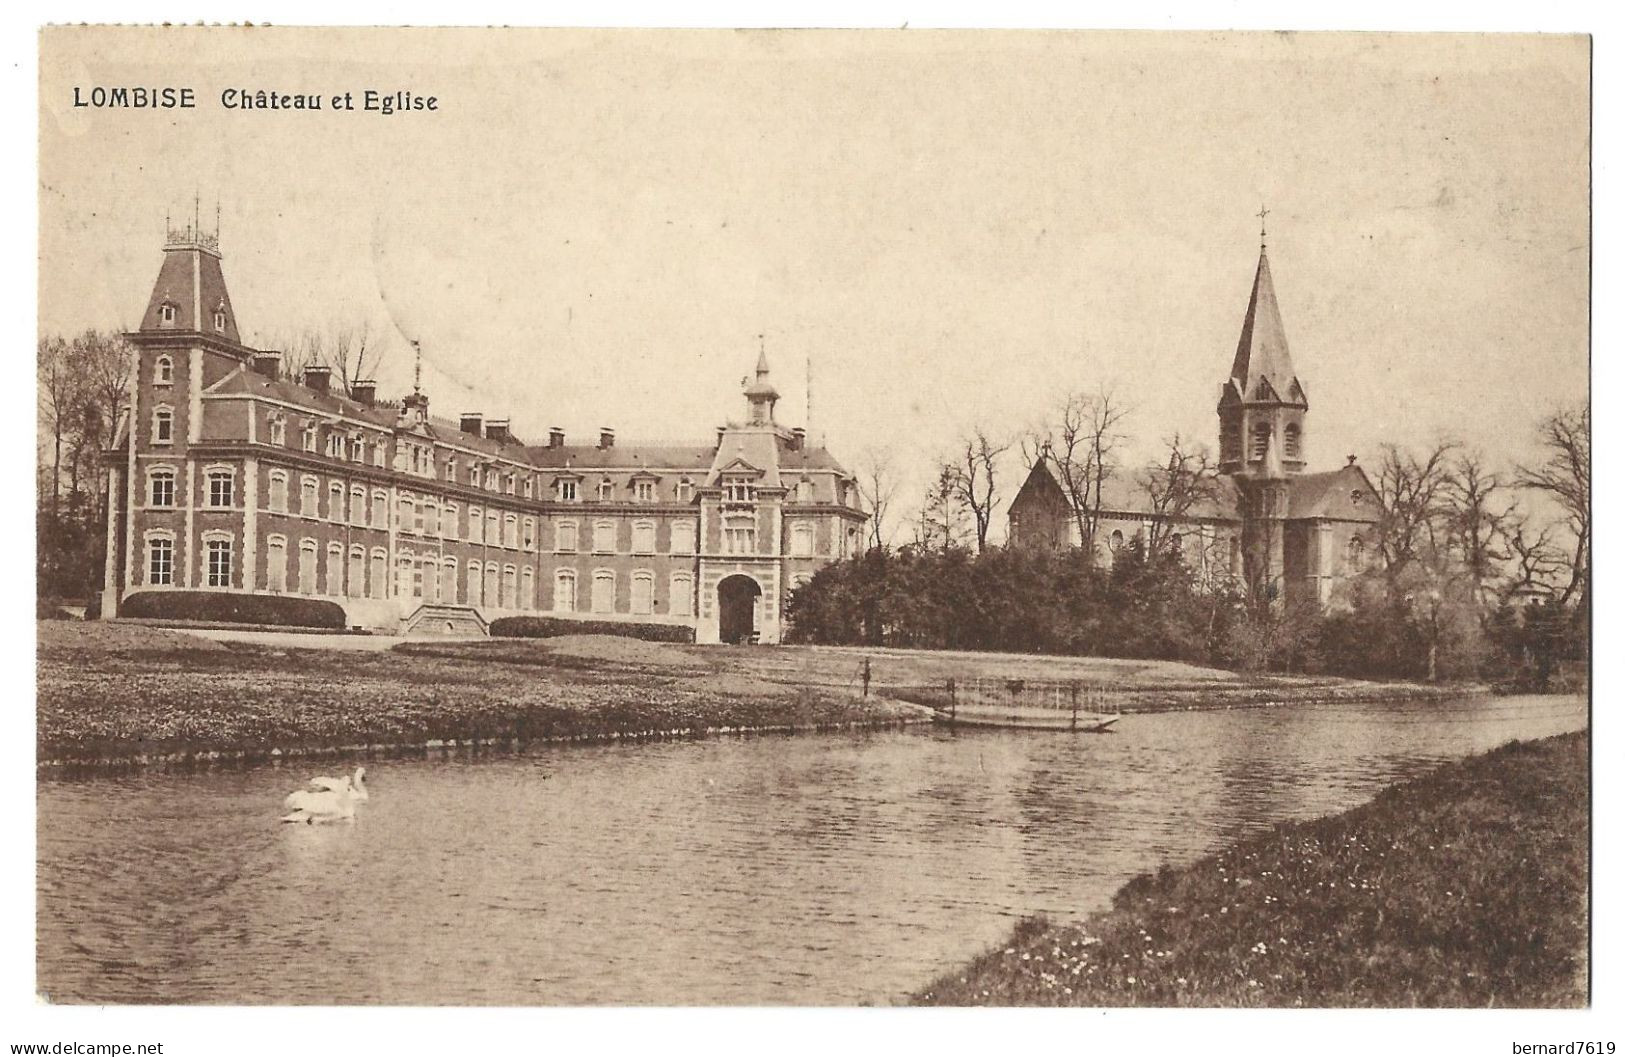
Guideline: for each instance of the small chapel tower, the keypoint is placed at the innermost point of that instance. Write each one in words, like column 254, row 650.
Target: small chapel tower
column 760, row 394
column 1262, row 402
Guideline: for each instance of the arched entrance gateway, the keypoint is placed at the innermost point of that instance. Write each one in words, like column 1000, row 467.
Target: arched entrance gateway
column 737, row 598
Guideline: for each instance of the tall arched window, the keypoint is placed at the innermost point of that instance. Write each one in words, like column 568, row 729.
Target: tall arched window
column 163, row 425
column 603, row 591
column 276, row 496
column 527, row 587
column 357, row 586
column 448, row 580
column 333, row 582
column 643, row 592
column 643, row 537
column 682, row 594
column 276, row 564
column 1293, row 441
column 564, row 591
column 163, row 371
column 307, row 566
column 379, row 572
column 475, row 581
column 1261, row 439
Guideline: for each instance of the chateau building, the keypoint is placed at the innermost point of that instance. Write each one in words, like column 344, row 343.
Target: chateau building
column 233, row 477
column 1285, row 533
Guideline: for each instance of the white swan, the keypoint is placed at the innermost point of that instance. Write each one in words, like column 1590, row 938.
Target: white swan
column 327, row 799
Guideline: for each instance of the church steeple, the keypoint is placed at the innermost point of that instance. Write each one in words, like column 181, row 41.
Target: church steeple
column 1262, row 405
column 190, row 294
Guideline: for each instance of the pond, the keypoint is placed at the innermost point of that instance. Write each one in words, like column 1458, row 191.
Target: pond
column 813, row 869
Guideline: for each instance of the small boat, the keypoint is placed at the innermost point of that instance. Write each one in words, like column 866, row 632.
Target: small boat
column 1027, row 718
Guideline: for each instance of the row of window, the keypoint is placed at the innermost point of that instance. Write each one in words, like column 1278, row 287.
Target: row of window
column 1292, row 444
column 364, row 575
column 442, row 520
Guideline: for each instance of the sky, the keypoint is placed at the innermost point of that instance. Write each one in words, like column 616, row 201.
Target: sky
column 944, row 230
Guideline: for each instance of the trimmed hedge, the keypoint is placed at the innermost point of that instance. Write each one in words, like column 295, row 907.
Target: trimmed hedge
column 229, row 608
column 548, row 627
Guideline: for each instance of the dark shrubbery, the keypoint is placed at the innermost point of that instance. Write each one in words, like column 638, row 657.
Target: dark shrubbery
column 1015, row 599
column 229, row 608
column 548, row 627
column 1041, row 601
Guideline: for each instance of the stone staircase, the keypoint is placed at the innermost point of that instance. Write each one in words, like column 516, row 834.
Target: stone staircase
column 434, row 620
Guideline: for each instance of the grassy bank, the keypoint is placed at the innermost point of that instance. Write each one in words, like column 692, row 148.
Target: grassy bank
column 117, row 691
column 127, row 693
column 1464, row 888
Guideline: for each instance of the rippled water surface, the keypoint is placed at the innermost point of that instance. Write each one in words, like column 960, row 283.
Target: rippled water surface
column 810, row 869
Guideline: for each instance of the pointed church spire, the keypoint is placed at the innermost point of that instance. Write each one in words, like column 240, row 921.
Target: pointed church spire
column 1262, row 368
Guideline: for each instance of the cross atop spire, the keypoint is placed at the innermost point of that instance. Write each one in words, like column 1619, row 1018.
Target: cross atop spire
column 1262, row 214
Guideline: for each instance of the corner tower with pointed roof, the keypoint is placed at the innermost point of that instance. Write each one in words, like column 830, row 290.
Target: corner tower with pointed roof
column 1262, row 404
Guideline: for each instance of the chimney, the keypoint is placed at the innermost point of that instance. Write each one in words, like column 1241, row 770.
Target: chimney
column 497, row 429
column 606, row 437
column 798, row 438
column 317, row 378
column 472, row 421
column 364, row 391
column 268, row 364
column 720, row 431
column 555, row 437
column 1352, row 459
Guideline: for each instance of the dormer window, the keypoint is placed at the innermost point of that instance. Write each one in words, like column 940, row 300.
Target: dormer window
column 606, row 491
column 567, row 489
column 804, row 491
column 645, row 491
column 310, row 437
column 685, row 490
column 163, row 371
column 220, row 318
column 166, row 314
column 451, row 471
column 530, row 487
column 738, row 490
column 279, row 430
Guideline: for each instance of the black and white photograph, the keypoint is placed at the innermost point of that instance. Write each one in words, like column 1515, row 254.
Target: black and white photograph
column 813, row 518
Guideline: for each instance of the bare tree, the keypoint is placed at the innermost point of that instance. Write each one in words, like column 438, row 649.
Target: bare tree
column 1173, row 489
column 976, row 480
column 347, row 349
column 1536, row 558
column 1475, row 519
column 877, row 483
column 941, row 523
column 58, row 394
column 1565, row 476
column 1410, row 492
column 1082, row 444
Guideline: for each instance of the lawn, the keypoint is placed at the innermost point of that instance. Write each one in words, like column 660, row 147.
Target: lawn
column 1467, row 887
column 117, row 691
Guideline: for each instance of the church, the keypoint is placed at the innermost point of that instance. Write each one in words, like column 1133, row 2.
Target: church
column 233, row 476
column 1283, row 533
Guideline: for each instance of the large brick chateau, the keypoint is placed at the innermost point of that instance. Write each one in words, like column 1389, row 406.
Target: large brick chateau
column 232, row 476
column 1284, row 533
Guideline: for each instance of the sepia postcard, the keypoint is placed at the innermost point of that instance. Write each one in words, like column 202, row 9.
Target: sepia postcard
column 776, row 518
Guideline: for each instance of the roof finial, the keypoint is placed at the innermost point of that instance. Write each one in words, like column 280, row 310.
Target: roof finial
column 417, row 368
column 1263, row 214
column 197, row 214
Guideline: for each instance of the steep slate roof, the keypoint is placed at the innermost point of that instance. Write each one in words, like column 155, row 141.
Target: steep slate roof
column 1262, row 369
column 1331, row 495
column 1124, row 495
column 191, row 280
